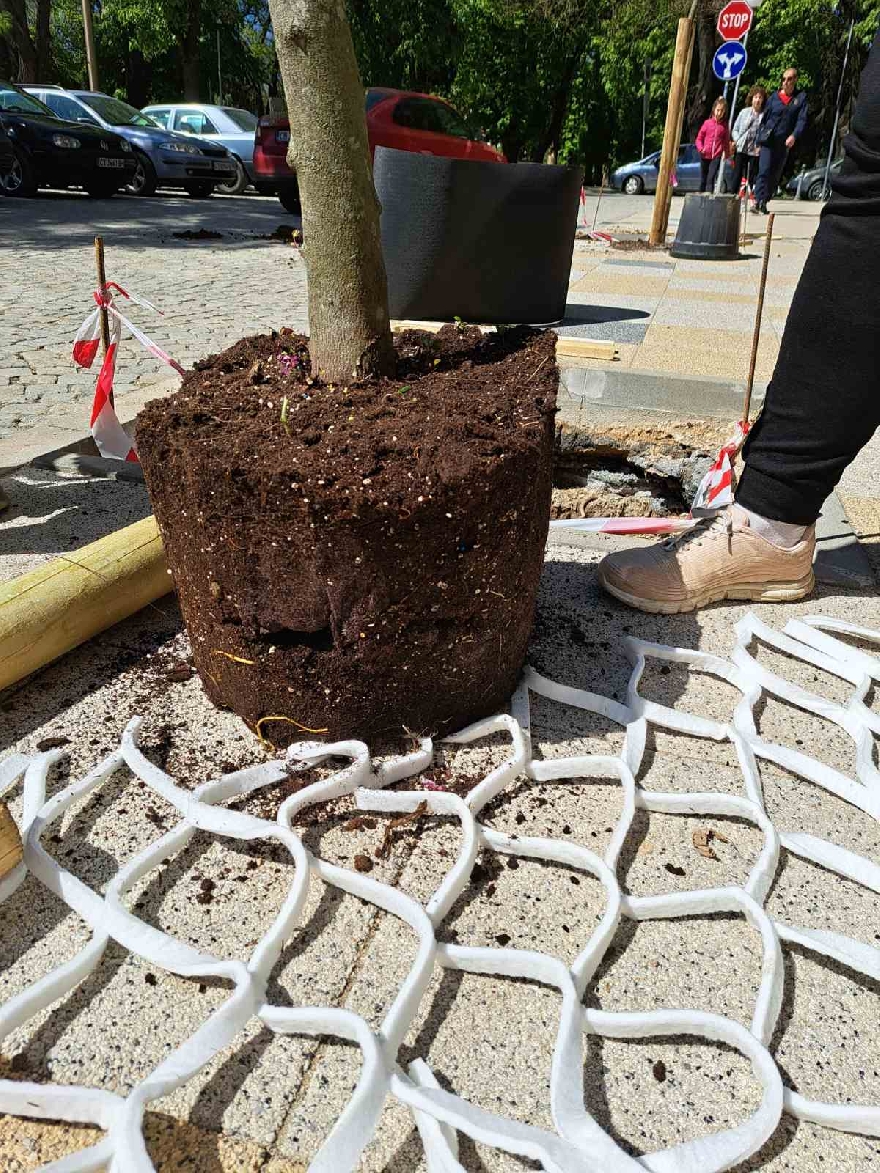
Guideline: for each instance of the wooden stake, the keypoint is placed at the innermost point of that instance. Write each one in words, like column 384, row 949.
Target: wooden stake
column 598, row 203
column 681, row 68
column 102, row 281
column 62, row 604
column 756, row 336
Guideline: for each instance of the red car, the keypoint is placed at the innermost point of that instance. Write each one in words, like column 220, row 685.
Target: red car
column 395, row 118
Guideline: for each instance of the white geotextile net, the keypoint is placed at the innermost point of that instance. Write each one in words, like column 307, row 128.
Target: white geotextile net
column 578, row 1144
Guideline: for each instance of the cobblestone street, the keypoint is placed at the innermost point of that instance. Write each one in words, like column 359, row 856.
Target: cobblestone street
column 211, row 293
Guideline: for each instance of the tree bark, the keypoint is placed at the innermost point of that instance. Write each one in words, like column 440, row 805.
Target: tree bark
column 138, row 76
column 700, row 101
column 348, row 295
column 23, row 46
column 43, row 40
column 549, row 141
column 191, row 51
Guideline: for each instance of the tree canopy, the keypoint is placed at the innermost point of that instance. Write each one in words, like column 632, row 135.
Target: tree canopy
column 542, row 78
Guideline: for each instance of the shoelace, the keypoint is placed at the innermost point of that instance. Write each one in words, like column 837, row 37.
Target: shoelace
column 722, row 521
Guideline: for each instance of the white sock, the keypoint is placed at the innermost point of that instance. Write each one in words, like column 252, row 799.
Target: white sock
column 777, row 533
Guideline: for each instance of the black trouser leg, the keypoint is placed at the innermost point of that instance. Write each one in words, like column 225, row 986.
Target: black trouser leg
column 752, row 170
column 823, row 402
column 705, row 164
column 770, row 164
column 740, row 162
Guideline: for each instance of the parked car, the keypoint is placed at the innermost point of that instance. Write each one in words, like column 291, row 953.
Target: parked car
column 395, row 118
column 641, row 176
column 50, row 152
column 160, row 156
column 226, row 125
column 810, row 185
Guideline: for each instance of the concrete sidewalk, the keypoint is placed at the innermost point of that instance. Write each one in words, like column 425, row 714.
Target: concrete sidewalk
column 689, row 317
column 267, row 1102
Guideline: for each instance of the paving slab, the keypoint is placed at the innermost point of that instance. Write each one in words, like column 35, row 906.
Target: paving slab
column 278, row 1098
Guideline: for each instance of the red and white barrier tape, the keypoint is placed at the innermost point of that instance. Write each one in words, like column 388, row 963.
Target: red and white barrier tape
column 108, row 432
column 715, row 492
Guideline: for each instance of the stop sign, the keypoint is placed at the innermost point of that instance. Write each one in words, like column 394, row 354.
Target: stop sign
column 734, row 20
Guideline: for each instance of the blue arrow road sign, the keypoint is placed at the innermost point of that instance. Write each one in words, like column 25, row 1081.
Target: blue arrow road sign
column 729, row 60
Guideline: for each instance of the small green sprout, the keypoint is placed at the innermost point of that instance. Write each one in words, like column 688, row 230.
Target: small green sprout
column 285, row 412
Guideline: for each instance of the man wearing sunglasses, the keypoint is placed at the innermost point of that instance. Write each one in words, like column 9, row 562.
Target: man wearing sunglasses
column 784, row 121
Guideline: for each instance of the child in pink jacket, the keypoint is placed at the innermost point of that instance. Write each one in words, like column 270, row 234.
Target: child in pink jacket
column 713, row 143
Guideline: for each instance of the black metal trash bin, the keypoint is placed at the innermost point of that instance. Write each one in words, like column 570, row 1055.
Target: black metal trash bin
column 485, row 242
column 709, row 228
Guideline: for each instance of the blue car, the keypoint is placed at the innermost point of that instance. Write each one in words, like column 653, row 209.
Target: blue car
column 227, row 125
column 639, row 177
column 161, row 156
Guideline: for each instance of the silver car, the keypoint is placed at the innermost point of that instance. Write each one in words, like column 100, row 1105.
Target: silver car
column 227, row 125
column 641, row 176
column 161, row 156
column 810, row 184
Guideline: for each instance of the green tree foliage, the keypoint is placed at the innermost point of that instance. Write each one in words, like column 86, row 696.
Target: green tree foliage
column 559, row 79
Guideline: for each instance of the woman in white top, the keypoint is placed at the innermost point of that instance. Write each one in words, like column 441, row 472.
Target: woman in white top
column 745, row 138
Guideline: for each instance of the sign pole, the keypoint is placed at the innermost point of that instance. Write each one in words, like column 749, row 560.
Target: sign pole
column 733, row 104
column 826, row 181
column 719, row 178
column 681, row 68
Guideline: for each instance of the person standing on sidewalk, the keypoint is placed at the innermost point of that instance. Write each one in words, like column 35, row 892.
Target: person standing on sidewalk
column 745, row 139
column 713, row 143
column 783, row 123
column 822, row 407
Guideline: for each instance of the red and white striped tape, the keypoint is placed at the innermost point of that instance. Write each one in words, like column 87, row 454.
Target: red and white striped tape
column 715, row 492
column 109, row 434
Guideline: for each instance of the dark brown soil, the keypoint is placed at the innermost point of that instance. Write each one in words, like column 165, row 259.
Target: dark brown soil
column 352, row 561
column 198, row 234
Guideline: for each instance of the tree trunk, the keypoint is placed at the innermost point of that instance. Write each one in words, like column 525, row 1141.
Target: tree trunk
column 138, row 75
column 23, row 46
column 191, row 51
column 348, row 295
column 700, row 101
column 43, row 40
column 549, row 141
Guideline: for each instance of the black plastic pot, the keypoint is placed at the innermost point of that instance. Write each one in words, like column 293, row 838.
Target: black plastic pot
column 709, row 228
column 484, row 242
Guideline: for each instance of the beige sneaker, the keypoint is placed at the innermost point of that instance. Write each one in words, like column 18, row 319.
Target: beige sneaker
column 10, row 842
column 721, row 559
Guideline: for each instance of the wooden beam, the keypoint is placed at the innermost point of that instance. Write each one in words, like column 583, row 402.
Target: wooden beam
column 58, row 606
column 586, row 348
column 681, row 68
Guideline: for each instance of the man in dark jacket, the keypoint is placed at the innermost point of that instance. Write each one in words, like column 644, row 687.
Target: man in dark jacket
column 784, row 121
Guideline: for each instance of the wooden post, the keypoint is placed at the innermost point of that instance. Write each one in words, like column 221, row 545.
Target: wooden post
column 102, row 281
column 91, row 55
column 681, row 68
column 756, row 335
column 62, row 604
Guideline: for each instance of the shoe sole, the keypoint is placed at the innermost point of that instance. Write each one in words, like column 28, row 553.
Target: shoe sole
column 773, row 592
column 11, row 853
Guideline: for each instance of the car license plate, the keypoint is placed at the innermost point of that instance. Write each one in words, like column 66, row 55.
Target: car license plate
column 223, row 165
column 282, row 136
column 104, row 162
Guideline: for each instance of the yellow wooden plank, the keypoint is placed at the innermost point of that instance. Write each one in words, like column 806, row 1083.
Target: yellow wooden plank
column 58, row 606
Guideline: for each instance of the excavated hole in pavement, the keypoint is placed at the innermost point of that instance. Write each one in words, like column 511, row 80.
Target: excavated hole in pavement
column 607, row 470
